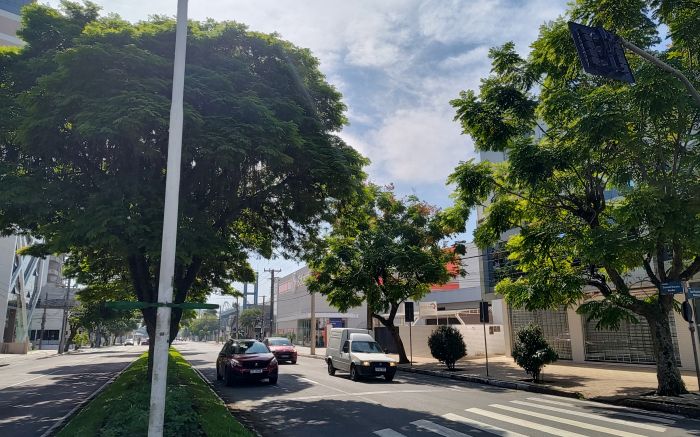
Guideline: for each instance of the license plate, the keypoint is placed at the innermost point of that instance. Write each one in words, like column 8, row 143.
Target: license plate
column 255, row 370
column 380, row 369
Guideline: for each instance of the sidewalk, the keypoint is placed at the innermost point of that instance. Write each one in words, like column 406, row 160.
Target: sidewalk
column 621, row 384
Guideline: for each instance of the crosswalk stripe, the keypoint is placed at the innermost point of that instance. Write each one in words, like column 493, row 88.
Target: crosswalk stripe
column 620, row 413
column 388, row 432
column 482, row 426
column 524, row 423
column 576, row 423
column 617, row 407
column 438, row 429
column 592, row 416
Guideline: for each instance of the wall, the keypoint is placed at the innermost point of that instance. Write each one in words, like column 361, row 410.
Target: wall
column 473, row 338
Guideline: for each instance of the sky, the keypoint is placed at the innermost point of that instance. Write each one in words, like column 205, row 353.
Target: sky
column 397, row 63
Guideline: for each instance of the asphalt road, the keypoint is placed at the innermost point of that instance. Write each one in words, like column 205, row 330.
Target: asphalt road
column 309, row 402
column 36, row 391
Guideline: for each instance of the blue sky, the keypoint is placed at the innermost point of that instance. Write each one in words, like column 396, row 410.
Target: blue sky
column 397, row 62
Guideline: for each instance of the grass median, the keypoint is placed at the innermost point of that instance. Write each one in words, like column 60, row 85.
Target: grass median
column 122, row 409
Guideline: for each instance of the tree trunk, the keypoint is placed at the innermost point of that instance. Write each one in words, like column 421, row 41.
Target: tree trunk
column 668, row 376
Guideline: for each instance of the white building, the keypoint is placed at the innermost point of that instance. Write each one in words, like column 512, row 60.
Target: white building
column 293, row 311
column 10, row 20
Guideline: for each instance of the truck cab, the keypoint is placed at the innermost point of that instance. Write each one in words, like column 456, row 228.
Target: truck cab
column 355, row 351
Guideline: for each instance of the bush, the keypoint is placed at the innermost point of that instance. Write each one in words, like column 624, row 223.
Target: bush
column 531, row 351
column 447, row 345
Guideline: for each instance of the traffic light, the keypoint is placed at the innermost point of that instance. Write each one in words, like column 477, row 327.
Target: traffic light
column 484, row 312
column 408, row 312
column 687, row 312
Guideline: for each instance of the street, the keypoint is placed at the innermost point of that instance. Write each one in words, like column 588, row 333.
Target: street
column 35, row 392
column 309, row 402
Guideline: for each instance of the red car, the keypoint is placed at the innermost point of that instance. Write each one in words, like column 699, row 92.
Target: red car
column 246, row 360
column 282, row 348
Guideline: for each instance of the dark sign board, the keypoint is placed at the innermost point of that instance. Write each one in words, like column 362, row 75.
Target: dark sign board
column 408, row 312
column 600, row 52
column 484, row 312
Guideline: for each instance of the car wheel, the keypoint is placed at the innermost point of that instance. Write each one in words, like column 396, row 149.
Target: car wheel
column 331, row 369
column 273, row 379
column 218, row 375
column 389, row 377
column 353, row 373
column 228, row 378
column 294, row 361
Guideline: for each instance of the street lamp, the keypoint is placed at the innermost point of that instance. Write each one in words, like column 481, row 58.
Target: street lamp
column 167, row 257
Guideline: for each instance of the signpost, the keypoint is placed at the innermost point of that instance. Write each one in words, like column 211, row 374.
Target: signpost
column 484, row 319
column 409, row 317
column 688, row 312
column 671, row 288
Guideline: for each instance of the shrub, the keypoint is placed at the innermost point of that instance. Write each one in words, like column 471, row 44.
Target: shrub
column 447, row 345
column 531, row 351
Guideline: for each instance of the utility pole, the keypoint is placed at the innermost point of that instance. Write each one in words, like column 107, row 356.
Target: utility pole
column 159, row 377
column 43, row 316
column 313, row 323
column 238, row 316
column 64, row 322
column 272, row 299
column 262, row 320
column 691, row 328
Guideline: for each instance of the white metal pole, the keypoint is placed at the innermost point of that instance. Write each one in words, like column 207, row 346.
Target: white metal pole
column 691, row 327
column 167, row 256
column 313, row 324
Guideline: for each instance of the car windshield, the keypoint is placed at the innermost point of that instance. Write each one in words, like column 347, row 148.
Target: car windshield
column 249, row 347
column 368, row 347
column 279, row 342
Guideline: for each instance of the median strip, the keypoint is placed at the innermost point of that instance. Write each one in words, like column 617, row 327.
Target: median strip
column 192, row 409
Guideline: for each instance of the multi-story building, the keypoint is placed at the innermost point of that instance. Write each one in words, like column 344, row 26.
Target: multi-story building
column 10, row 20
column 293, row 311
column 570, row 334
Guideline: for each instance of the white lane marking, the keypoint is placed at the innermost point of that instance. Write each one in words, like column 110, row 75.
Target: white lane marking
column 618, row 407
column 592, row 416
column 308, row 380
column 482, row 426
column 621, row 413
column 438, row 429
column 576, row 423
column 524, row 423
column 388, row 432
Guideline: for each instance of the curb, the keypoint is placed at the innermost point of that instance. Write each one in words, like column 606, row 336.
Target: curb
column 63, row 420
column 684, row 410
column 210, row 384
column 317, row 357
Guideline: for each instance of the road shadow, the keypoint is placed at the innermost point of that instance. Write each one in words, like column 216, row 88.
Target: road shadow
column 333, row 417
column 31, row 408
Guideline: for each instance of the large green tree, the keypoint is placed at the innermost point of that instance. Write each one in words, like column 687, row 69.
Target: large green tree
column 83, row 146
column 382, row 250
column 602, row 178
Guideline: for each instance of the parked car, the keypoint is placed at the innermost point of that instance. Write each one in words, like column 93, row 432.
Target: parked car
column 355, row 351
column 282, row 348
column 144, row 342
column 129, row 342
column 246, row 360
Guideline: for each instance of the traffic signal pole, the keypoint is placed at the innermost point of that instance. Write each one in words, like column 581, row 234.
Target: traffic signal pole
column 167, row 257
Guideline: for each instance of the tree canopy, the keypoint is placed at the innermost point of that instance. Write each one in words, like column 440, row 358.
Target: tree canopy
column 83, row 146
column 602, row 179
column 382, row 250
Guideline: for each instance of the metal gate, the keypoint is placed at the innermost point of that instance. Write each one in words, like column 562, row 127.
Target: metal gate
column 630, row 344
column 554, row 324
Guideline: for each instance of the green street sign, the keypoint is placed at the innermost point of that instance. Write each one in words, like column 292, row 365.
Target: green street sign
column 126, row 305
